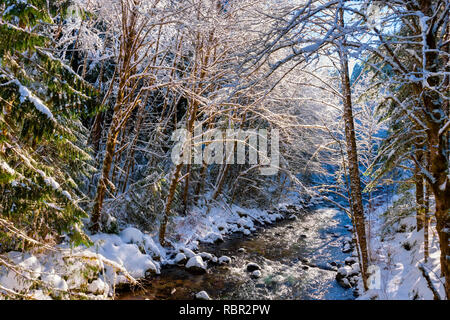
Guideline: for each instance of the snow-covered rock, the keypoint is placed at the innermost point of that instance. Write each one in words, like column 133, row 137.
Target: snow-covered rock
column 343, row 272
column 206, row 256
column 252, row 267
column 347, row 248
column 188, row 252
column 202, row 295
column 213, row 237
column 224, row 260
column 180, row 258
column 350, row 261
column 196, row 265
column 344, row 283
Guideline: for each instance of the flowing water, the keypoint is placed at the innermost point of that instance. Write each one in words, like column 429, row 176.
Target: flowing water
column 294, row 257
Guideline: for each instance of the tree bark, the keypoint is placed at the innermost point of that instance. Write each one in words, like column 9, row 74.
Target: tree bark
column 418, row 180
column 439, row 164
column 352, row 154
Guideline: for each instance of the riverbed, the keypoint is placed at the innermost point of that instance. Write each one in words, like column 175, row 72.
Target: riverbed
column 296, row 257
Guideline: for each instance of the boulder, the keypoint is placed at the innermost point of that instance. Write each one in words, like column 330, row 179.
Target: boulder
column 355, row 270
column 55, row 281
column 353, row 281
column 206, row 256
column 202, row 295
column 188, row 252
column 343, row 272
column 196, row 265
column 256, row 274
column 347, row 248
column 224, row 260
column 350, row 261
column 344, row 283
column 180, row 258
column 304, row 260
column 252, row 267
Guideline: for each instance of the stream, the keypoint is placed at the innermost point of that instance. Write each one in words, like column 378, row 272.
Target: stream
column 294, row 256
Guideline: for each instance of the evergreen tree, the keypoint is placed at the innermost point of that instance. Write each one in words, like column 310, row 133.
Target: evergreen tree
column 42, row 160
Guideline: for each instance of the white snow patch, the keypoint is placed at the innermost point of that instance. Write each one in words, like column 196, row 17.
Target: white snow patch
column 399, row 275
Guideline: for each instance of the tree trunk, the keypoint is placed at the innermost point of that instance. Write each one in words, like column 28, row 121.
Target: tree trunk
column 102, row 183
column 418, row 180
column 171, row 196
column 426, row 222
column 439, row 164
column 441, row 191
column 355, row 183
column 122, row 108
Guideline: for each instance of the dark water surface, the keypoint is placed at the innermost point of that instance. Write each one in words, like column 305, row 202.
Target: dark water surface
column 293, row 255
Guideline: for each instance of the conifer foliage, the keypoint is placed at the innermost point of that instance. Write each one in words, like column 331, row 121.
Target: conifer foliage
column 41, row 141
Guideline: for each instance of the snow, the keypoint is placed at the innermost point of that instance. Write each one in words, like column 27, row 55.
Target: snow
column 98, row 286
column 188, row 252
column 55, row 281
column 32, row 270
column 6, row 168
column 135, row 236
column 39, row 295
column 219, row 222
column 51, row 183
column 180, row 257
column 224, row 260
column 397, row 275
column 196, row 262
column 344, row 271
column 206, row 256
column 127, row 255
column 132, row 235
column 131, row 254
column 27, row 94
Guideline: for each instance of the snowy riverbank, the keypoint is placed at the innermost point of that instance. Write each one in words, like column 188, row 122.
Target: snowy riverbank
column 113, row 259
